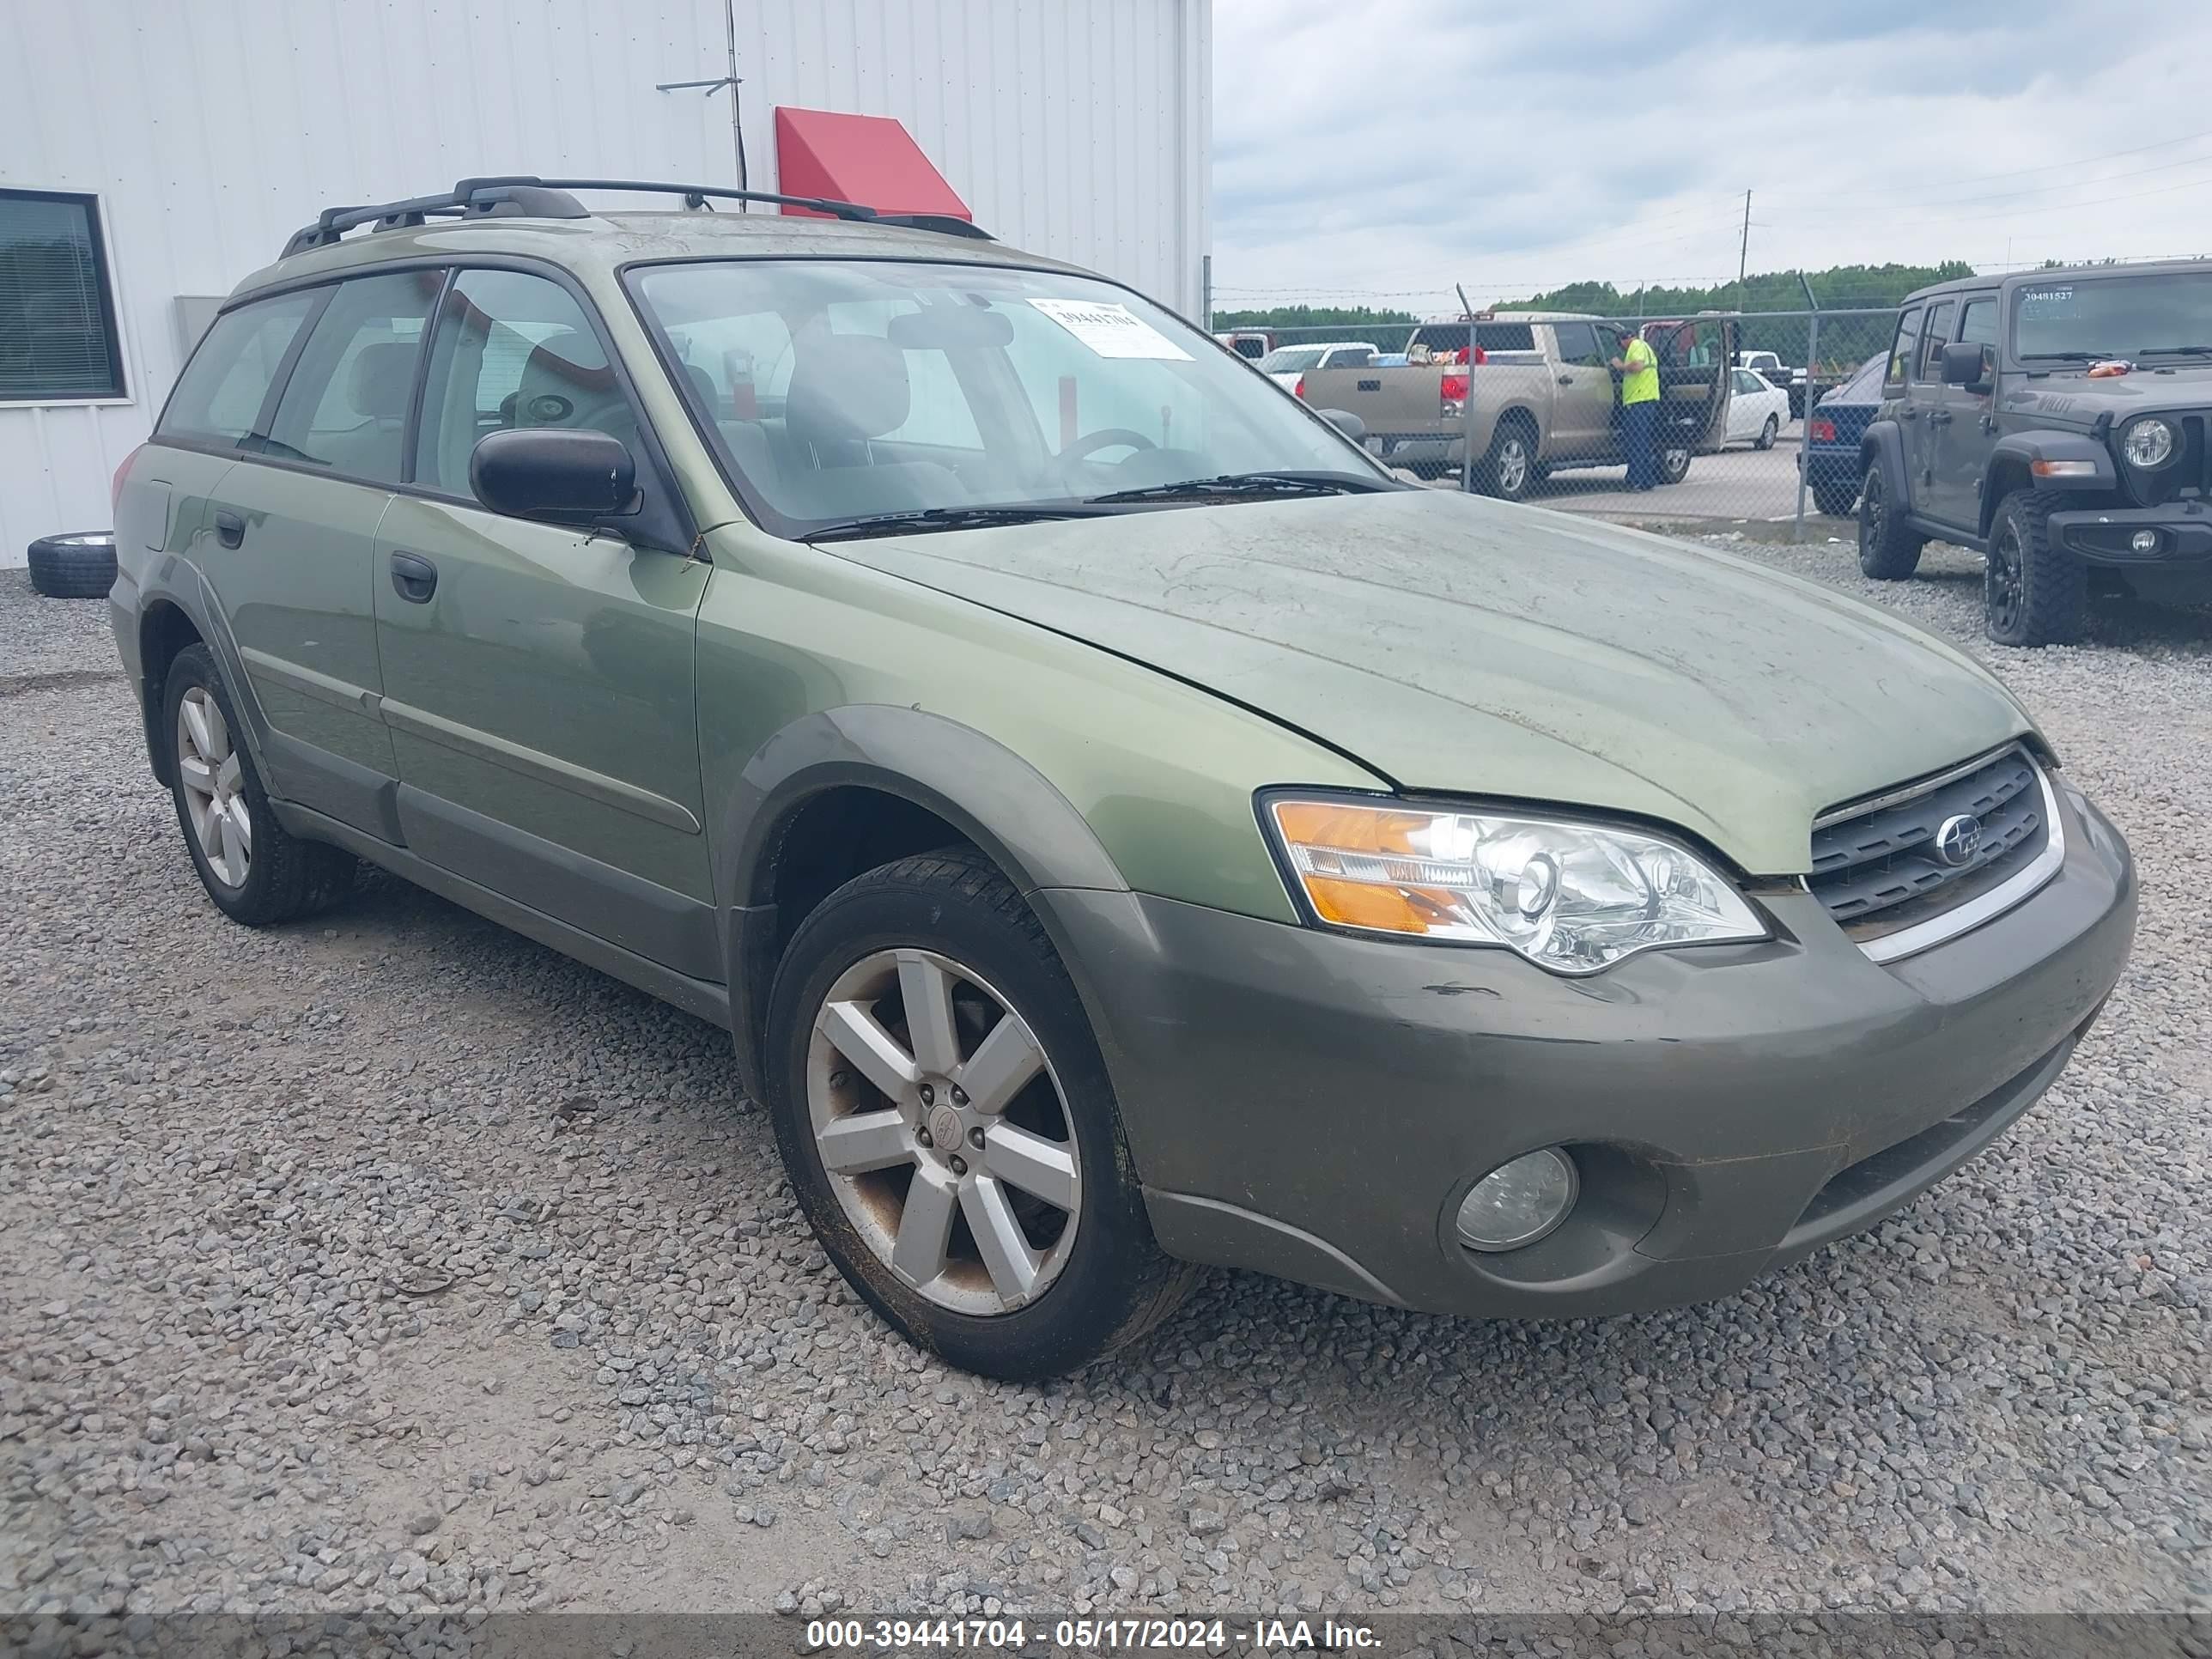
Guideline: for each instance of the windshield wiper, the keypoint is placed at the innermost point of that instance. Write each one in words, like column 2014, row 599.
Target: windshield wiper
column 939, row 517
column 2065, row 356
column 2182, row 351
column 1249, row 484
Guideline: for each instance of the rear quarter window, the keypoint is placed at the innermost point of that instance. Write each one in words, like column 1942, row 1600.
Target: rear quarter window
column 220, row 395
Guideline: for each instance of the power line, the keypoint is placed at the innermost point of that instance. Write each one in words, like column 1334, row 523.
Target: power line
column 2053, row 167
column 2056, row 207
column 2074, row 183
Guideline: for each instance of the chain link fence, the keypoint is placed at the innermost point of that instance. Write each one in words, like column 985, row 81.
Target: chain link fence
column 1539, row 418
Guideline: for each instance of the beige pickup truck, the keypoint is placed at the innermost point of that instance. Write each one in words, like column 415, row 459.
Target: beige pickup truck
column 1545, row 398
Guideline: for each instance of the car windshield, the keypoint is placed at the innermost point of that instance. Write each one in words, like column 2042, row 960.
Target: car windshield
column 843, row 390
column 2095, row 317
column 1284, row 360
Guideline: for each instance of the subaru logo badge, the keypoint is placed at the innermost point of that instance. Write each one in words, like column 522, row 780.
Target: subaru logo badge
column 1960, row 839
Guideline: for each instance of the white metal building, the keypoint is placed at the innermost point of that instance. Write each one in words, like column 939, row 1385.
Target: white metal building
column 152, row 152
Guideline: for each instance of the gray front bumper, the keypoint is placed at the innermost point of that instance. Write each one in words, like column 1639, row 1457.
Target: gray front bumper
column 2102, row 535
column 1315, row 1105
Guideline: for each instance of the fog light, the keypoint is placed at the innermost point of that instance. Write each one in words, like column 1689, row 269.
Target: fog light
column 1517, row 1203
column 2144, row 541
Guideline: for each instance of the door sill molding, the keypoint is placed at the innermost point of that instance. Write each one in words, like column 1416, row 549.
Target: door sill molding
column 708, row 1001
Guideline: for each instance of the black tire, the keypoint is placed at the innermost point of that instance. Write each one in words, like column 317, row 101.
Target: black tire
column 1117, row 1283
column 1888, row 550
column 1509, row 469
column 1673, row 463
column 74, row 567
column 1767, row 434
column 1836, row 497
column 286, row 878
column 2032, row 593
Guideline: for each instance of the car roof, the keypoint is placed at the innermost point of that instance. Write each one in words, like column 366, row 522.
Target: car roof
column 2054, row 273
column 604, row 242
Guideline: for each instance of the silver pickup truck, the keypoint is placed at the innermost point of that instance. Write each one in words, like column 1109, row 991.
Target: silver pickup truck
column 1545, row 398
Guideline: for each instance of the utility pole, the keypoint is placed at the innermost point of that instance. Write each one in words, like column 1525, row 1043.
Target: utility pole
column 1743, row 253
column 732, row 83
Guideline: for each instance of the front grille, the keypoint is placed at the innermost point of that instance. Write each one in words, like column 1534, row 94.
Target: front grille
column 1878, row 869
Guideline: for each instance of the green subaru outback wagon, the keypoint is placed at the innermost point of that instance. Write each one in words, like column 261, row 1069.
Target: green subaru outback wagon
column 1120, row 825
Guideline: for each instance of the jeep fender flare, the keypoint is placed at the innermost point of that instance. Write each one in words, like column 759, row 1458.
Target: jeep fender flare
column 986, row 791
column 2011, row 465
column 1882, row 445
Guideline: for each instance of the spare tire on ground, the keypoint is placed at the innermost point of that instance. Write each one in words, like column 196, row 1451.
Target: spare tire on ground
column 74, row 567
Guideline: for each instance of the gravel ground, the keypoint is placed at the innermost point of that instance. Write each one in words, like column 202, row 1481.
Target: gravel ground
column 392, row 1261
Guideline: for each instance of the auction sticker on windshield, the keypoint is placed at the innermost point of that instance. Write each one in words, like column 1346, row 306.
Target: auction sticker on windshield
column 1111, row 331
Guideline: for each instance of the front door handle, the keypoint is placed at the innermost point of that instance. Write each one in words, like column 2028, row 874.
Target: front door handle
column 229, row 527
column 413, row 578
column 1939, row 417
column 1566, row 379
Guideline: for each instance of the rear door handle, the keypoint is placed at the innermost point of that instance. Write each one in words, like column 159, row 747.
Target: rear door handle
column 229, row 527
column 413, row 578
column 1939, row 417
column 1370, row 386
column 1566, row 379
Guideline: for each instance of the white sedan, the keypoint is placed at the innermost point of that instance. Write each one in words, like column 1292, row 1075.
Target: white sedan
column 1286, row 365
column 1758, row 409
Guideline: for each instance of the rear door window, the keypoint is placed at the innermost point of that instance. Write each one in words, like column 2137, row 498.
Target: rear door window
column 220, row 395
column 1576, row 345
column 345, row 405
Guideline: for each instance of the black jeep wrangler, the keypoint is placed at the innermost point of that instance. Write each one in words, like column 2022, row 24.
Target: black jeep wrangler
column 2059, row 422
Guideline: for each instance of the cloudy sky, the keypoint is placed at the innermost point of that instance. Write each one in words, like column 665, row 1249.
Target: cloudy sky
column 1383, row 150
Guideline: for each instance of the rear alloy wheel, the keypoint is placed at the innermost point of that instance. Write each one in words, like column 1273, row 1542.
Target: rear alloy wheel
column 1510, row 469
column 255, row 871
column 948, row 1124
column 2032, row 593
column 1767, row 434
column 1888, row 550
column 212, row 773
column 1673, row 464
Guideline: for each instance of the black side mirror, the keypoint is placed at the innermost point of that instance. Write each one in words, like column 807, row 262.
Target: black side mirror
column 1345, row 422
column 562, row 475
column 1967, row 365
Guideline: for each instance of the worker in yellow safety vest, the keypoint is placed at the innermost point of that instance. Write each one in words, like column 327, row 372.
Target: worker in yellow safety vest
column 1638, row 366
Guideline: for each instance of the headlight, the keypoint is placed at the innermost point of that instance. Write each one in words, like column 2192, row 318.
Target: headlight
column 2148, row 443
column 1571, row 897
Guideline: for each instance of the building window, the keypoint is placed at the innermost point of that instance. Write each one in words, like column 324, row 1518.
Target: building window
column 58, row 342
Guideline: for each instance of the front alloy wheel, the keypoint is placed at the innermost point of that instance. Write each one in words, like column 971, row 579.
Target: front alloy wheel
column 943, row 1132
column 949, row 1128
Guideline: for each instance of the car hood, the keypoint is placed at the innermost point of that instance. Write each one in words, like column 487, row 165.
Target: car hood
column 1461, row 646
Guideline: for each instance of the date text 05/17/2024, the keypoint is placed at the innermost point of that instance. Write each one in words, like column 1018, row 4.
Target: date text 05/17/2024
column 1086, row 1635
